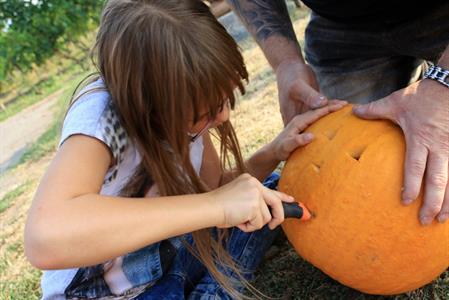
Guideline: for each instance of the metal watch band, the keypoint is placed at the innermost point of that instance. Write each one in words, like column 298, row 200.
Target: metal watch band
column 439, row 74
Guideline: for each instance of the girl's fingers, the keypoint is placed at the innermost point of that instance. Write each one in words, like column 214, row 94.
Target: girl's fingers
column 243, row 227
column 265, row 212
column 302, row 121
column 273, row 218
column 292, row 143
column 283, row 196
column 259, row 217
column 303, row 139
column 256, row 223
column 337, row 105
column 338, row 102
column 333, row 106
column 274, row 200
column 296, row 141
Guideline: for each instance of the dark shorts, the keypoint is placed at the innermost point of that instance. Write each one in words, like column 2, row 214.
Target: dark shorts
column 362, row 63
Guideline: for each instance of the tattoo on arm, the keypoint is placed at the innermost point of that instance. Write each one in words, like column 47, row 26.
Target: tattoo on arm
column 265, row 18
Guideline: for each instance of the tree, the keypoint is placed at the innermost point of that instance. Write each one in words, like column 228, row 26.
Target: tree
column 33, row 31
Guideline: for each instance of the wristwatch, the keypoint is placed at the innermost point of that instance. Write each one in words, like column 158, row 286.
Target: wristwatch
column 439, row 74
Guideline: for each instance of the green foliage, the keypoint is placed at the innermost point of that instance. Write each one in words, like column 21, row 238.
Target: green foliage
column 33, row 31
column 9, row 198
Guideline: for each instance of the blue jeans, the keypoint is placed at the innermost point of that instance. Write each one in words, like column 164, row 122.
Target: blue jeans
column 365, row 62
column 188, row 278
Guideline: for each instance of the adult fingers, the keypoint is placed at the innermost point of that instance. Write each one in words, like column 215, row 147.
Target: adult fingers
column 380, row 109
column 414, row 167
column 302, row 92
column 435, row 187
column 288, row 110
column 444, row 213
column 274, row 199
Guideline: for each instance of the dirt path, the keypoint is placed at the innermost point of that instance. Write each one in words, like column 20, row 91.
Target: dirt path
column 22, row 129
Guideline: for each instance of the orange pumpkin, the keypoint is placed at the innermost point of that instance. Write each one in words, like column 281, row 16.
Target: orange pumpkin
column 350, row 178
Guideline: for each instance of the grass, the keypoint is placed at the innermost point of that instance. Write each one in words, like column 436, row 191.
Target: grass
column 18, row 279
column 287, row 276
column 9, row 198
column 25, row 287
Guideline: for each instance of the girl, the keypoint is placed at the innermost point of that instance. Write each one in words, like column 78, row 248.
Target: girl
column 136, row 202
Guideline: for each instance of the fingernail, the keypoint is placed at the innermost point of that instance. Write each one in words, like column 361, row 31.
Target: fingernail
column 443, row 217
column 407, row 201
column 358, row 109
column 426, row 220
column 341, row 102
column 320, row 101
column 308, row 137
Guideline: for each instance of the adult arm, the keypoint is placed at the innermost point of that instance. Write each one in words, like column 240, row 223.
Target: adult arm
column 422, row 111
column 270, row 24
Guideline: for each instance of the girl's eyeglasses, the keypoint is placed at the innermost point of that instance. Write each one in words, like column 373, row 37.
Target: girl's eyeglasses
column 194, row 137
column 197, row 135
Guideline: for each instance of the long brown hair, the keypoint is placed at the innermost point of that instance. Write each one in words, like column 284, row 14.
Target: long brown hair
column 161, row 61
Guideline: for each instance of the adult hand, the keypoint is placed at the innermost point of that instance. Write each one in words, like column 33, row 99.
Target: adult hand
column 298, row 89
column 422, row 111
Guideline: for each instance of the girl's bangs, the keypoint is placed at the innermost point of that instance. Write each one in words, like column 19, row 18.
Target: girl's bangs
column 211, row 93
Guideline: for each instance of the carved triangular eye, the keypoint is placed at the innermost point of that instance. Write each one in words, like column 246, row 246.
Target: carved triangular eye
column 316, row 167
column 330, row 133
column 357, row 152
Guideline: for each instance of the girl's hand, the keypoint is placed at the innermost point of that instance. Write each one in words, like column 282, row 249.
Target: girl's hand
column 244, row 203
column 292, row 137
